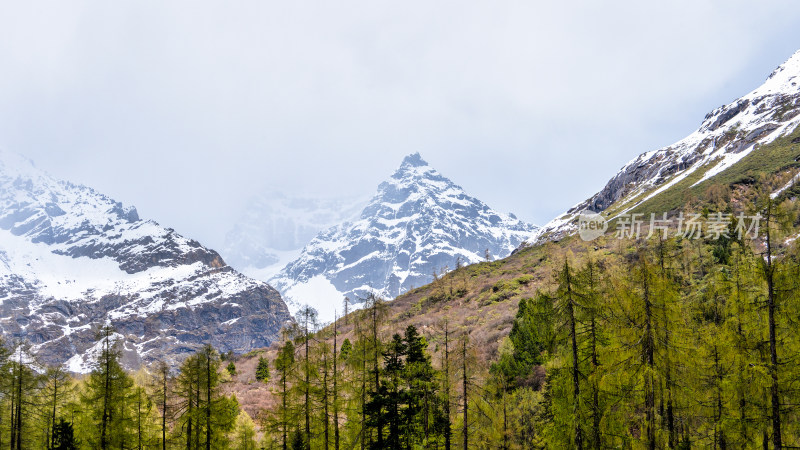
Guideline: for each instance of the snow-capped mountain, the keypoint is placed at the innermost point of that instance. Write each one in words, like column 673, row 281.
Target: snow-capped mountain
column 727, row 134
column 275, row 227
column 72, row 259
column 417, row 223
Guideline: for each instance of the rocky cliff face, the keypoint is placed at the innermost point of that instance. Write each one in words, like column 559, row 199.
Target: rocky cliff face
column 726, row 135
column 72, row 259
column 417, row 223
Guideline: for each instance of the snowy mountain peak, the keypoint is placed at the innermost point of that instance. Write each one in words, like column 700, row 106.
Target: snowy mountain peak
column 413, row 160
column 418, row 222
column 11, row 162
column 726, row 135
column 413, row 181
column 786, row 75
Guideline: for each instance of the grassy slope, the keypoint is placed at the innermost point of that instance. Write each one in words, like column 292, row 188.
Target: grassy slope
column 483, row 304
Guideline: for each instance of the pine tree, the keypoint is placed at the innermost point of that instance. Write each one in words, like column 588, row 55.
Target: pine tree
column 207, row 414
column 446, row 423
column 244, row 435
column 346, row 350
column 22, row 396
column 323, row 389
column 56, row 391
column 63, row 436
column 284, row 366
column 161, row 393
column 307, row 323
column 593, row 312
column 142, row 410
column 769, row 267
column 531, row 337
column 107, row 392
column 187, row 389
column 335, row 392
column 464, row 392
column 420, row 377
column 262, row 370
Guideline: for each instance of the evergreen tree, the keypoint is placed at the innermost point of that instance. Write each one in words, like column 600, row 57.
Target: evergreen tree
column 22, row 397
column 244, row 435
column 336, row 378
column 63, row 436
column 284, row 366
column 420, row 377
column 532, row 339
column 262, row 370
column 347, row 348
column 303, row 334
column 445, row 422
column 206, row 414
column 56, row 391
column 161, row 382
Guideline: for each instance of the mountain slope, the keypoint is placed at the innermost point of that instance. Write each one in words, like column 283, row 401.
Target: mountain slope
column 727, row 136
column 417, row 223
column 72, row 259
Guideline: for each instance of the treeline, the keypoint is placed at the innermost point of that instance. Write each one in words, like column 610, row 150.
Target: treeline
column 110, row 408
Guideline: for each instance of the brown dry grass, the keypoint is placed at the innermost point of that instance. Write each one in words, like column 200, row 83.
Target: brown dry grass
column 485, row 312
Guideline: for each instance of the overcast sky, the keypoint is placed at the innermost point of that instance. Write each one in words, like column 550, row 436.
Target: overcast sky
column 184, row 109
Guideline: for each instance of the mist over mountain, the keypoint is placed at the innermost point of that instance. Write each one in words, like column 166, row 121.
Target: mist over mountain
column 275, row 226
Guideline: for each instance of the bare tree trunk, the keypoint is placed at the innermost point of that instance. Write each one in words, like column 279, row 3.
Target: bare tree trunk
column 668, row 361
column 164, row 375
column 576, row 386
column 139, row 421
column 189, row 414
column 53, row 418
column 447, row 430
column 284, row 420
column 208, row 399
column 335, row 388
column 106, row 382
column 595, row 363
column 464, row 387
column 649, row 360
column 306, row 393
column 326, row 416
